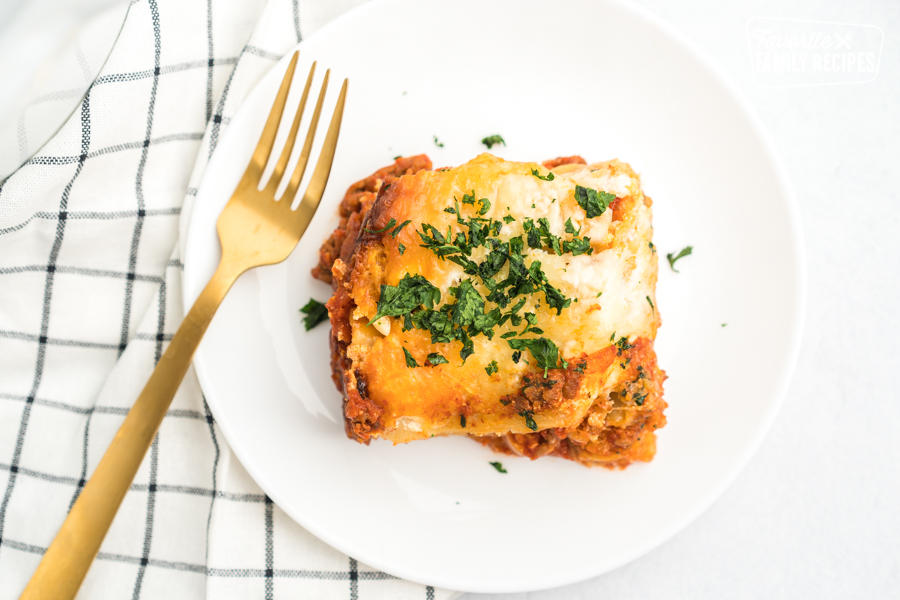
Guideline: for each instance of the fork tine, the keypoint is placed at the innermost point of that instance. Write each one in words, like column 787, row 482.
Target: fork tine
column 316, row 186
column 275, row 180
column 267, row 139
column 300, row 169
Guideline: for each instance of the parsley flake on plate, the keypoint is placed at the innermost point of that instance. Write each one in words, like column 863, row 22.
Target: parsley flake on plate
column 315, row 313
column 492, row 140
column 686, row 251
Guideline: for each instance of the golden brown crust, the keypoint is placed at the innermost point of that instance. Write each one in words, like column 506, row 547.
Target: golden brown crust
column 336, row 261
column 357, row 201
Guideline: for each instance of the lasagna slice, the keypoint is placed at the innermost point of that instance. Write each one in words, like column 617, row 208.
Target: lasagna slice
column 510, row 302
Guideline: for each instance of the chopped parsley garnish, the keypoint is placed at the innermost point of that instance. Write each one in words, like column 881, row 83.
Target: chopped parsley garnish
column 493, row 262
column 653, row 308
column 544, row 351
column 529, row 419
column 462, row 420
column 390, row 224
column 570, row 227
column 399, row 227
column 593, row 202
column 540, row 237
column 491, row 140
column 412, row 292
column 398, row 156
column 436, row 358
column 401, row 248
column 417, row 301
column 539, row 234
column 548, row 177
column 623, row 345
column 652, row 247
column 410, row 361
column 724, row 324
column 498, row 466
column 673, row 258
column 437, row 143
column 579, row 368
column 639, row 399
column 315, row 313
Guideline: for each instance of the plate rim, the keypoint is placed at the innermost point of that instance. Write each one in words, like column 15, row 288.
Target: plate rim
column 798, row 308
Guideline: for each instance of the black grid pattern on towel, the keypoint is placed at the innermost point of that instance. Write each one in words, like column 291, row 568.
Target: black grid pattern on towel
column 145, row 273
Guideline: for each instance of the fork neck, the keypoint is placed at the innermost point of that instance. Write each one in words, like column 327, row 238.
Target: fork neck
column 201, row 313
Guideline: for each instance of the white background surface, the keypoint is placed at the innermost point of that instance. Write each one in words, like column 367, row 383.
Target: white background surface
column 816, row 514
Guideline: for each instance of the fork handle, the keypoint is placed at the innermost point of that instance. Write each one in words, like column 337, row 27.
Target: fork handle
column 67, row 560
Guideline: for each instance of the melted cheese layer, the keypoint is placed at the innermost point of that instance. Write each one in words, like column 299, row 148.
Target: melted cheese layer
column 612, row 290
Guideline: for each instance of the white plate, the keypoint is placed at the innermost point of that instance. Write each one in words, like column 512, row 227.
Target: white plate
column 600, row 79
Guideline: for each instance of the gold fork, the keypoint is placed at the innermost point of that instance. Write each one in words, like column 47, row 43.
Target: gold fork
column 254, row 230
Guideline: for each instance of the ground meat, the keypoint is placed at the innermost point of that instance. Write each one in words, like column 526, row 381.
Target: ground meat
column 363, row 417
column 616, row 431
column 539, row 393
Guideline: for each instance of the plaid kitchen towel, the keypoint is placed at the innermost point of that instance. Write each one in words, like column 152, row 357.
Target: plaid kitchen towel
column 90, row 275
